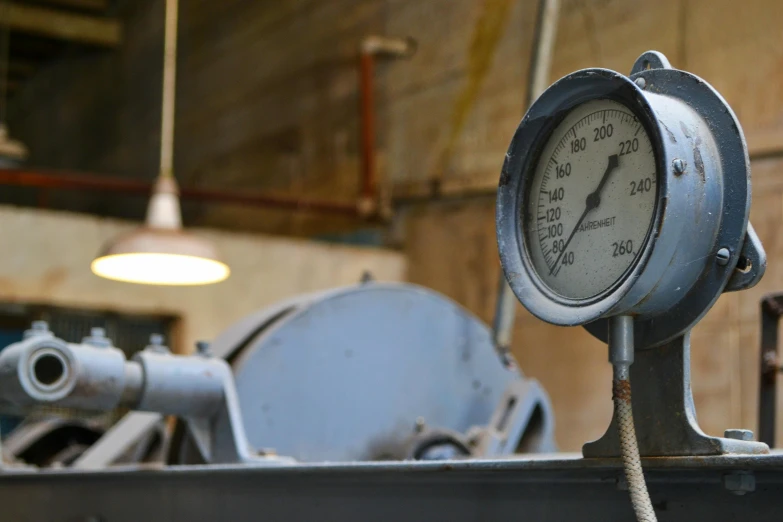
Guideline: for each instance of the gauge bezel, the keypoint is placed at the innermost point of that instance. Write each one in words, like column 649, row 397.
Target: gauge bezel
column 532, row 135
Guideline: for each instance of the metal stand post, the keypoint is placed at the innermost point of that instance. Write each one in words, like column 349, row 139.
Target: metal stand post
column 663, row 410
column 540, row 65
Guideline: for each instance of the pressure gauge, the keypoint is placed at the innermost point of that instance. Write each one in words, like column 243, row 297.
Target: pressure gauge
column 591, row 201
column 627, row 195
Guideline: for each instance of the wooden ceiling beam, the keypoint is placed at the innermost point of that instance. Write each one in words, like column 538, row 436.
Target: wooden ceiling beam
column 91, row 5
column 63, row 25
column 21, row 67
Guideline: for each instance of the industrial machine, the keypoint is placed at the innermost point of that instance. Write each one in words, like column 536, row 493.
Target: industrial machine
column 623, row 207
column 294, row 383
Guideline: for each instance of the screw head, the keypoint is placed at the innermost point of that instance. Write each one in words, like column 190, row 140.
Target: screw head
column 37, row 328
column 156, row 344
column 740, row 482
column 97, row 331
column 97, row 338
column 640, row 82
column 722, row 256
column 679, row 166
column 738, row 434
column 202, row 348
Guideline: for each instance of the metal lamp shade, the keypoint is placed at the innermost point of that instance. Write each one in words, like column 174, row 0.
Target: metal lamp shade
column 161, row 253
column 161, row 257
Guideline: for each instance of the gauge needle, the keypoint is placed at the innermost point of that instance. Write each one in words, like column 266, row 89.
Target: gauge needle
column 591, row 203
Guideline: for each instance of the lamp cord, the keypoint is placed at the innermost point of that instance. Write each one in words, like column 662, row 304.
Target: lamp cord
column 169, row 90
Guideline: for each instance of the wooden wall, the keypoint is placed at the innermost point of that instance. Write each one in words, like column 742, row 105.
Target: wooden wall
column 453, row 108
column 50, row 259
column 267, row 91
column 451, row 246
column 266, row 101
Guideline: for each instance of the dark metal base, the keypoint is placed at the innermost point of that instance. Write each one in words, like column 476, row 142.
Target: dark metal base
column 663, row 411
column 769, row 367
column 682, row 489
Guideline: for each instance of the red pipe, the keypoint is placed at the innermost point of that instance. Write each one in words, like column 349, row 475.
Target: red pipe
column 371, row 48
column 367, row 205
column 367, row 114
column 77, row 181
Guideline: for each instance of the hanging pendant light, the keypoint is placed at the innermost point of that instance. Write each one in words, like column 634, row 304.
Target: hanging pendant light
column 161, row 253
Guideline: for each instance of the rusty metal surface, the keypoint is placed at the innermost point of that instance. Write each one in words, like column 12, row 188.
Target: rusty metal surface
column 367, row 124
column 66, row 180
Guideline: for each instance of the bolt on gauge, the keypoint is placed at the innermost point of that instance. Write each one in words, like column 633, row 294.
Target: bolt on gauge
column 627, row 195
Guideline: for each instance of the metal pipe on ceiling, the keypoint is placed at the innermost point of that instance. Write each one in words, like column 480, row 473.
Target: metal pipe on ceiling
column 89, row 182
column 366, row 207
column 372, row 48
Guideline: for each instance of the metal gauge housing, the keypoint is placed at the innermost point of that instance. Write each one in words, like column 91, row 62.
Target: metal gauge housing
column 617, row 194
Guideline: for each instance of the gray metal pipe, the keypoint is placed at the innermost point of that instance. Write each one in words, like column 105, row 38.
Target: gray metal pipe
column 188, row 386
column 538, row 79
column 43, row 369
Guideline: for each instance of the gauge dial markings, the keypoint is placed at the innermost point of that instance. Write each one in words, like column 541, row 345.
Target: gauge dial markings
column 573, row 238
column 592, row 202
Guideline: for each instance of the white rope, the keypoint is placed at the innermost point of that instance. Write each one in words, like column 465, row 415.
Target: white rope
column 629, row 449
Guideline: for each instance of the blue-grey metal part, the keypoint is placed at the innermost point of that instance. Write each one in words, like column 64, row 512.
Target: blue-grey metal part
column 315, row 385
column 684, row 489
column 120, row 438
column 663, row 410
column 733, row 233
column 344, row 375
column 675, row 279
column 650, row 60
column 199, row 389
column 520, row 424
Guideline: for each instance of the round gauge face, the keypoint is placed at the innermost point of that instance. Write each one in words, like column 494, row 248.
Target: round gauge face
column 591, row 201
